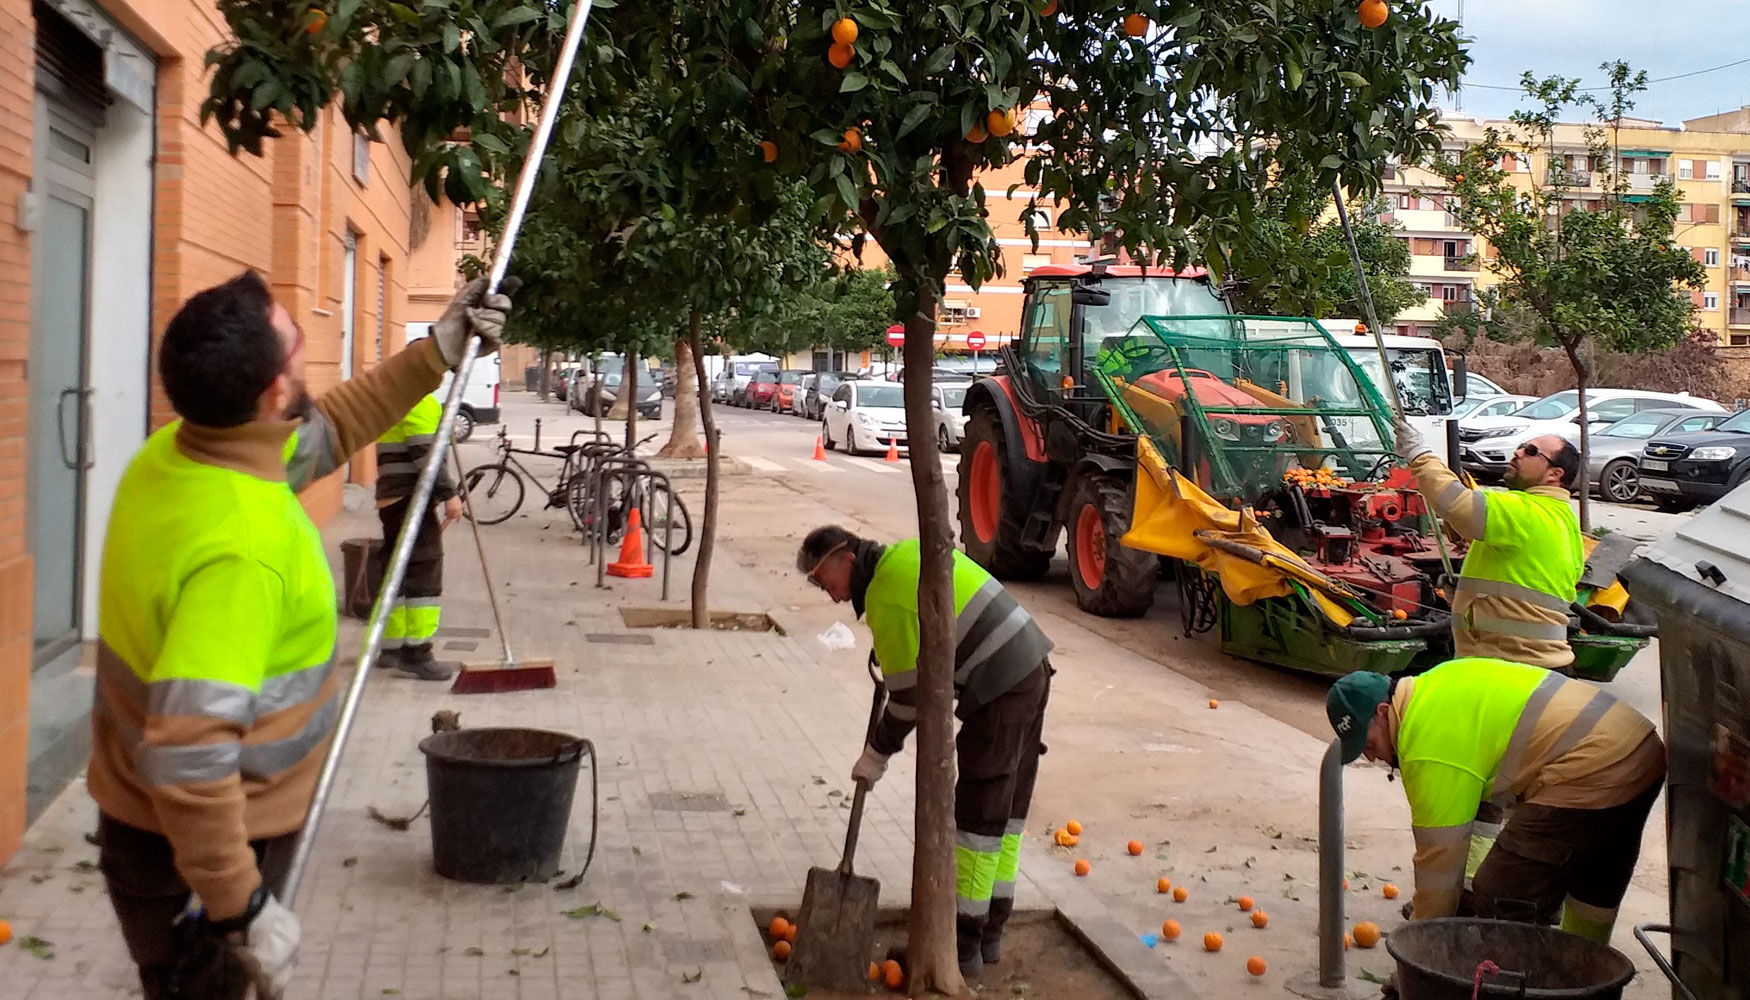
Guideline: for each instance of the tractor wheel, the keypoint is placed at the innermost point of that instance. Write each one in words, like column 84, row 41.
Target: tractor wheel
column 991, row 520
column 1109, row 579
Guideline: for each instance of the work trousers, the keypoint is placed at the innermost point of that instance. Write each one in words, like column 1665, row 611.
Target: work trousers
column 413, row 617
column 1579, row 861
column 177, row 961
column 998, row 754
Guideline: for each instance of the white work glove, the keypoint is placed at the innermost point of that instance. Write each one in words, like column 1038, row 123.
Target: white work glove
column 270, row 948
column 1410, row 443
column 869, row 767
column 472, row 311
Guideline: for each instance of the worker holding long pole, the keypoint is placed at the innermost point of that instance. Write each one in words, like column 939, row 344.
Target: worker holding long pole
column 216, row 689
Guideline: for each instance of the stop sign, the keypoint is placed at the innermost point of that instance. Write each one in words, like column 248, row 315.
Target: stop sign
column 896, row 335
column 975, row 341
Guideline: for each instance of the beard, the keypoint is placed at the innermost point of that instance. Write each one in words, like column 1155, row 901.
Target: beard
column 301, row 403
column 1513, row 479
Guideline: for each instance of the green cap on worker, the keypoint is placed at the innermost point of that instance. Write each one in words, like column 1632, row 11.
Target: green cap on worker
column 1351, row 705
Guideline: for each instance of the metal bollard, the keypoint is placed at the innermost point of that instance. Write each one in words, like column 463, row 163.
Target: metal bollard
column 1331, row 966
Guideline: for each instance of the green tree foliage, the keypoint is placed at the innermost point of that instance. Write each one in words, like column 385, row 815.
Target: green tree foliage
column 1300, row 272
column 848, row 309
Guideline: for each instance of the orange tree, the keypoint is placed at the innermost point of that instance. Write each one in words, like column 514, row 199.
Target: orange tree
column 1167, row 125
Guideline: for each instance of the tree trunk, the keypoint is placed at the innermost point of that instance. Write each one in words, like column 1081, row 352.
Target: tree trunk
column 629, row 395
column 935, row 964
column 545, row 383
column 1582, row 379
column 707, row 523
column 683, row 442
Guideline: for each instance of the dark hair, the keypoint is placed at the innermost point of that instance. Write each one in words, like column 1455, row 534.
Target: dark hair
column 1567, row 460
column 820, row 542
column 220, row 353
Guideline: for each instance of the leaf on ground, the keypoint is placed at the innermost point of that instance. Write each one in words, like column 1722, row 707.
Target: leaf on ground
column 649, row 925
column 51, row 848
column 819, row 780
column 1211, row 850
column 796, row 990
column 693, row 976
column 1272, row 832
column 350, row 863
column 38, row 947
column 473, row 952
column 513, row 972
column 390, row 991
column 637, row 852
column 1374, row 977
column 542, row 953
column 592, row 910
column 683, row 895
column 1291, row 893
column 518, row 887
column 741, row 812
column 1251, row 861
column 750, row 991
column 84, row 866
column 835, row 793
column 519, row 951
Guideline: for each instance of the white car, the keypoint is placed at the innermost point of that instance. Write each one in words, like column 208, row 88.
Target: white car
column 865, row 415
column 1475, row 385
column 1489, row 406
column 950, row 422
column 1487, row 444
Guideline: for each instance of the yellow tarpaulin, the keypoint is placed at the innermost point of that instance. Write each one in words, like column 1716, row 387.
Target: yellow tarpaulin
column 1171, row 512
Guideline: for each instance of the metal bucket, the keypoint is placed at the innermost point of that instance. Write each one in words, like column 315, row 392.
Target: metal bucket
column 1446, row 958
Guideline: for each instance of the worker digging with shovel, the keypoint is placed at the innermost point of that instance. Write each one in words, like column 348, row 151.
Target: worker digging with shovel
column 216, row 690
column 1002, row 679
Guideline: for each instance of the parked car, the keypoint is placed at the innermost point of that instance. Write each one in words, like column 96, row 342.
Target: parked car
column 562, row 379
column 1680, row 471
column 479, row 397
column 1476, row 385
column 760, row 389
column 799, row 399
column 950, row 422
column 1487, row 443
column 1490, row 406
column 784, row 393
column 865, row 414
column 730, row 384
column 605, row 391
column 820, row 391
column 1612, row 454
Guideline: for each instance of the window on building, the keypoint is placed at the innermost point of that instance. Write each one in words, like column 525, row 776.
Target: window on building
column 1713, row 170
column 1029, row 261
column 1406, row 200
column 361, row 158
column 1711, row 257
column 1686, row 170
column 471, row 230
column 1710, row 301
column 1041, row 217
column 1709, row 214
column 955, row 313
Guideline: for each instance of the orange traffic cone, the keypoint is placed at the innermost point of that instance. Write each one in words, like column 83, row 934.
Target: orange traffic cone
column 819, row 452
column 632, row 564
column 893, row 449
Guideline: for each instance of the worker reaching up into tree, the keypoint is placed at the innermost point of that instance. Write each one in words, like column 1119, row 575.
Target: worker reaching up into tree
column 1525, row 556
column 1580, row 769
column 1002, row 680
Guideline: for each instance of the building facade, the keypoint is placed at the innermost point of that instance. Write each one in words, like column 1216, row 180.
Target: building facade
column 116, row 205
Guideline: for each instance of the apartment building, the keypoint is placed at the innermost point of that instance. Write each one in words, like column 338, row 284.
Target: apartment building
column 116, row 205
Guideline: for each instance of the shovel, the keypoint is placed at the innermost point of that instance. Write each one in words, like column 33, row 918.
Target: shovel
column 835, row 929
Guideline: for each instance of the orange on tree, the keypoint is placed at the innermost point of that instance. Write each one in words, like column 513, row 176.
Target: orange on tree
column 976, row 134
column 1074, row 827
column 1082, row 866
column 840, row 55
column 1181, row 894
column 1136, row 25
column 844, row 31
column 1246, row 904
column 1255, row 965
column 1134, row 847
column 1163, row 884
column 778, row 926
column 781, row 950
column 1049, row 9
column 853, row 140
column 768, row 150
column 1260, row 919
column 1212, row 941
column 892, row 974
column 1366, row 934
column 315, row 19
column 1389, row 891
column 999, row 123
column 1170, row 930
column 1372, row 13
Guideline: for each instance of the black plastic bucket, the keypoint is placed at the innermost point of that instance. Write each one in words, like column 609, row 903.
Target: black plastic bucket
column 1439, row 960
column 500, row 802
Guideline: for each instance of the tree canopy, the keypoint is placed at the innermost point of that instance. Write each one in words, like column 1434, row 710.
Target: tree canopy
column 1307, row 272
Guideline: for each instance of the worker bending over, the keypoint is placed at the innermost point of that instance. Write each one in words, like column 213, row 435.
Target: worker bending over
column 216, row 690
column 1001, row 682
column 413, row 617
column 1581, row 769
column 1525, row 558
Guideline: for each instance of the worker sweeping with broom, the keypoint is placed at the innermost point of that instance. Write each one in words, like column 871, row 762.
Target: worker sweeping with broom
column 1002, row 680
column 216, row 690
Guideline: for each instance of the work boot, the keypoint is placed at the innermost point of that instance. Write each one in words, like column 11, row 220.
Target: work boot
column 417, row 662
column 969, row 935
column 991, row 946
column 389, row 658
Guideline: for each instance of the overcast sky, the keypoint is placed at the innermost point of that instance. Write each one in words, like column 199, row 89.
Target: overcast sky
column 1571, row 37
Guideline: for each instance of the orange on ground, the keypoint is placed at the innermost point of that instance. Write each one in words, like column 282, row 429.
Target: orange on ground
column 1074, row 827
column 1246, row 904
column 1345, row 885
column 781, row 950
column 976, row 134
column 844, row 31
column 5, row 931
column 874, row 972
column 1049, row 9
column 1348, row 940
column 1255, row 965
column 853, row 141
column 1389, row 891
column 1181, row 894
column 1212, row 941
column 1163, row 884
column 892, row 974
column 1134, row 847
column 1136, row 25
column 1170, row 930
column 999, row 123
column 768, row 150
column 1082, row 866
column 777, row 927
column 839, row 55
column 1372, row 13
column 790, row 933
column 1366, row 933
column 1214, row 704
column 1260, row 919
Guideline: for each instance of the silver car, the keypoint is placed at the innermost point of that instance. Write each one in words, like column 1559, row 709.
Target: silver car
column 1610, row 461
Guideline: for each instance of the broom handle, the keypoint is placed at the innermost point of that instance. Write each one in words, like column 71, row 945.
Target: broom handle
column 531, row 168
column 485, row 570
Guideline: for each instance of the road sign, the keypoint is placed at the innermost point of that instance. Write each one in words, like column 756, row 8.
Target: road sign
column 975, row 340
column 896, row 335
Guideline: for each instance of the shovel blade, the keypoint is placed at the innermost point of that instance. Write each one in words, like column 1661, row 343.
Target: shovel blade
column 835, row 932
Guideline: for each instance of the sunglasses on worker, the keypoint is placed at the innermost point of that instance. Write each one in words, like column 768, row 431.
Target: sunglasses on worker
column 818, row 563
column 1529, row 450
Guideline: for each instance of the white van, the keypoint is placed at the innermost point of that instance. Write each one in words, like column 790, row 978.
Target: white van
column 1418, row 368
column 479, row 396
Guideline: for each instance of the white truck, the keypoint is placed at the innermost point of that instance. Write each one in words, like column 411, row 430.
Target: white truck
column 479, row 396
column 1419, row 368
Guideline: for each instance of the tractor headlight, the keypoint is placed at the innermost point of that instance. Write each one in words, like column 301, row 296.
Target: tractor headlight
column 1273, row 430
column 1226, row 429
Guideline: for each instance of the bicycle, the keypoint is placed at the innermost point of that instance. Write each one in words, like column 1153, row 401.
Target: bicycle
column 496, row 490
column 652, row 499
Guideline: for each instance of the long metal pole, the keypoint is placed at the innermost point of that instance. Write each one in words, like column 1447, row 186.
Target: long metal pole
column 519, row 207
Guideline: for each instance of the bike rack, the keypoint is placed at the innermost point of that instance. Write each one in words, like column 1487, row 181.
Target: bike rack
column 628, row 469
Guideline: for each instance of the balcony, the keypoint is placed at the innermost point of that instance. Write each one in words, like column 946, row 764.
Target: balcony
column 1741, row 185
column 1558, row 177
column 1460, row 307
column 1739, row 316
column 1644, row 182
column 1462, row 264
